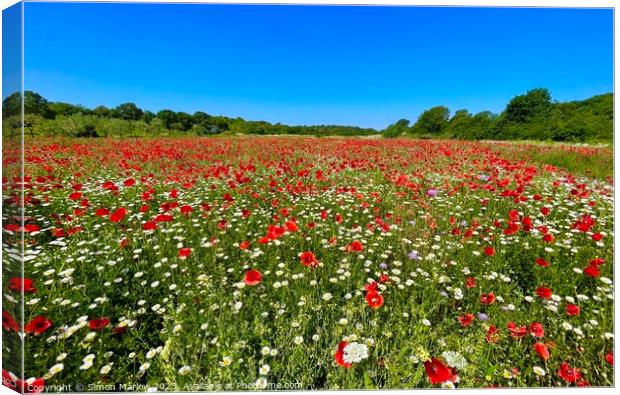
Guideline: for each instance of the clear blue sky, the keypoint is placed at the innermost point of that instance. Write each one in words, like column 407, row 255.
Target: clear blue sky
column 366, row 66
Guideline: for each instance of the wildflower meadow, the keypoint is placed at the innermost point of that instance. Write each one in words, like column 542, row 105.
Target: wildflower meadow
column 249, row 263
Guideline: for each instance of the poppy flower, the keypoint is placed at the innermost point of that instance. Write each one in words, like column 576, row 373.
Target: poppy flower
column 374, row 299
column 102, row 212
column 536, row 329
column 184, row 253
column 384, row 278
column 597, row 262
column 487, row 298
column 492, row 335
column 339, row 355
column 568, row 374
column 597, row 237
column 542, row 262
column 291, row 226
column 98, row 324
column 8, row 323
column 609, row 358
column 592, row 271
column 38, row 325
column 356, row 246
column 372, row 287
column 308, row 259
column 516, row 332
column 489, row 251
column 436, row 371
column 252, row 277
column 466, row 319
column 244, row 245
column 24, row 285
column 118, row 215
column 149, row 225
column 470, row 282
column 572, row 310
column 542, row 351
column 544, row 292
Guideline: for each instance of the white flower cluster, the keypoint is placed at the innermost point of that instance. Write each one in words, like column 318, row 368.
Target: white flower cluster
column 355, row 352
column 454, row 359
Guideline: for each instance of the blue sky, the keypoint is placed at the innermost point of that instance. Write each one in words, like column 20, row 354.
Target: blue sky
column 365, row 66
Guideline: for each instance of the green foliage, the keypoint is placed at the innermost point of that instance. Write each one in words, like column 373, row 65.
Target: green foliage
column 433, row 121
column 128, row 111
column 530, row 116
column 397, row 129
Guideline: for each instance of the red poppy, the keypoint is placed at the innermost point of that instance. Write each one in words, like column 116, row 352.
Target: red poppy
column 98, row 324
column 492, row 335
column 592, row 271
column 291, row 226
column 186, row 209
column 184, row 253
column 308, row 259
column 542, row 262
column 597, row 262
column 374, row 299
column 8, row 323
column 597, row 237
column 470, row 282
column 572, row 309
column 102, row 212
column 487, row 298
column 356, row 246
column 436, row 371
column 149, row 225
column 372, row 287
column 516, row 331
column 542, row 350
column 548, row 238
column 384, row 278
column 489, row 251
column 568, row 374
column 536, row 329
column 244, row 245
column 544, row 292
column 38, row 325
column 609, row 357
column 25, row 285
column 466, row 319
column 118, row 215
column 252, row 277
column 339, row 355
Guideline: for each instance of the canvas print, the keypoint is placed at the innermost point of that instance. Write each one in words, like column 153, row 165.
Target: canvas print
column 229, row 197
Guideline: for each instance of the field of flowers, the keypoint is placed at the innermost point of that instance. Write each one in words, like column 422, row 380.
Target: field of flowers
column 308, row 263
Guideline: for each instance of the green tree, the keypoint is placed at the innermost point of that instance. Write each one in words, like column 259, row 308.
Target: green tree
column 168, row 117
column 433, row 121
column 128, row 111
column 458, row 126
column 396, row 129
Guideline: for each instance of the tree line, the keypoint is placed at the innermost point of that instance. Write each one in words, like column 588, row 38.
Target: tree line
column 532, row 116
column 46, row 118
